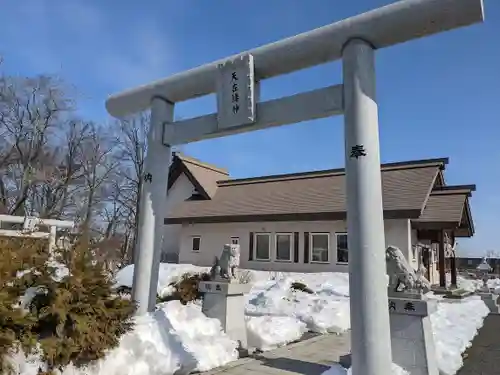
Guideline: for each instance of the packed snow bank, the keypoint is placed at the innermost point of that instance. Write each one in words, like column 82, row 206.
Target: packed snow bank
column 470, row 285
column 169, row 273
column 276, row 314
column 173, row 337
column 473, row 285
column 495, row 285
column 454, row 325
column 269, row 332
column 325, row 311
column 339, row 370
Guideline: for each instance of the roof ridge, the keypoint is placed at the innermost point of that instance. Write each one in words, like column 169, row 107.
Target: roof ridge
column 454, row 189
column 189, row 159
column 423, row 163
column 471, row 187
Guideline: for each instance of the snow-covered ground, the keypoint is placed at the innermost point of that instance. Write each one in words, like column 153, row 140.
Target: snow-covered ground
column 495, row 285
column 475, row 284
column 339, row 370
column 178, row 336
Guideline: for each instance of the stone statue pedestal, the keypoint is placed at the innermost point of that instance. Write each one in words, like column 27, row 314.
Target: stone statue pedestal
column 411, row 333
column 439, row 290
column 225, row 301
column 491, row 301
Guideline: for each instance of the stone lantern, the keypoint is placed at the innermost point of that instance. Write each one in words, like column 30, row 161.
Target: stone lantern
column 483, row 270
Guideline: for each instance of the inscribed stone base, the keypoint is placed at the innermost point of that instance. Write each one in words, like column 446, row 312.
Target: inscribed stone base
column 405, row 295
column 226, row 302
column 412, row 340
column 491, row 301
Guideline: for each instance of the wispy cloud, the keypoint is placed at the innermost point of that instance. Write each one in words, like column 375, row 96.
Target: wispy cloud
column 70, row 35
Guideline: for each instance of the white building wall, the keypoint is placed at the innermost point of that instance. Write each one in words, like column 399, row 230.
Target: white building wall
column 416, row 256
column 181, row 190
column 400, row 234
column 214, row 236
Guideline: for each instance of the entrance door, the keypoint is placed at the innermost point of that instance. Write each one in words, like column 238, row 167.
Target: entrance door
column 426, row 259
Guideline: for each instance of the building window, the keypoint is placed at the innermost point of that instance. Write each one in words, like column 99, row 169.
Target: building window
column 320, row 246
column 235, row 240
column 262, row 246
column 196, row 241
column 342, row 248
column 284, row 246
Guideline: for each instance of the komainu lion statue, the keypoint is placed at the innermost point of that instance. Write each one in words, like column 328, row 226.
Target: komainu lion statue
column 402, row 277
column 225, row 266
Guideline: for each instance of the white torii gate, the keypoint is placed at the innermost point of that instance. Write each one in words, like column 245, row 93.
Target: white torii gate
column 30, row 225
column 354, row 40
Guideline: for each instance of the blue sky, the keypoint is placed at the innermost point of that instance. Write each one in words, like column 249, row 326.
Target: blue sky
column 438, row 96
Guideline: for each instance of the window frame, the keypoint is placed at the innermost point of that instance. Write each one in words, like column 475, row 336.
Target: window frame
column 311, row 247
column 255, row 258
column 192, row 244
column 337, row 235
column 291, row 247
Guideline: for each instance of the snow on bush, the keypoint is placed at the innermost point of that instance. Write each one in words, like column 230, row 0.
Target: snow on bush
column 169, row 274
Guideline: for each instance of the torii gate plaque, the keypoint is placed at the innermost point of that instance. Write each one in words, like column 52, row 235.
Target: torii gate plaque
column 354, row 40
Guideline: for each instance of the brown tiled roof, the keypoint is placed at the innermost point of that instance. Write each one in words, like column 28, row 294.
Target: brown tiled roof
column 202, row 175
column 446, row 205
column 313, row 195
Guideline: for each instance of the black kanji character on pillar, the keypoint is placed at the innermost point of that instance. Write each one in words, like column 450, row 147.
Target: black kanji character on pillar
column 236, row 108
column 409, row 306
column 234, row 77
column 148, row 177
column 358, row 151
column 392, row 306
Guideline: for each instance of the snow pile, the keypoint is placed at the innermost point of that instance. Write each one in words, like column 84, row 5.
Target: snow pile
column 470, row 285
column 172, row 338
column 473, row 285
column 327, row 310
column 169, row 273
column 495, row 285
column 26, row 365
column 339, row 370
column 454, row 325
column 181, row 337
column 269, row 332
